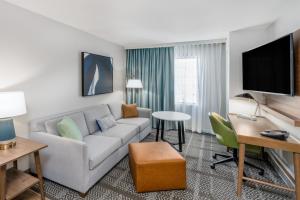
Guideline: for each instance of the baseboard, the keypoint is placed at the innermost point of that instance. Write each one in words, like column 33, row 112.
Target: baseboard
column 284, row 172
column 209, row 131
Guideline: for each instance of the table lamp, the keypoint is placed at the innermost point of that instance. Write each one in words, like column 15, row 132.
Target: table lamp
column 134, row 84
column 249, row 97
column 11, row 104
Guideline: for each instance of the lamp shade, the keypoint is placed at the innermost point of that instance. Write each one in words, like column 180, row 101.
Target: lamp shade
column 245, row 95
column 12, row 104
column 134, row 83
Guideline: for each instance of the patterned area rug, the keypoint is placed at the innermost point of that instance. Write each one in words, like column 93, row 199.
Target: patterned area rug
column 202, row 181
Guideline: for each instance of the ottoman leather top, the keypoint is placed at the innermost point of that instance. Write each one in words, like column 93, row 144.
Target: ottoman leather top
column 151, row 152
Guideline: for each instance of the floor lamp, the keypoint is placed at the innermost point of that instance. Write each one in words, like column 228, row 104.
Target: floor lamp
column 134, row 84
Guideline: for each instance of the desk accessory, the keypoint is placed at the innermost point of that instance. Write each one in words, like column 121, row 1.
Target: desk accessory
column 275, row 134
column 249, row 97
column 249, row 117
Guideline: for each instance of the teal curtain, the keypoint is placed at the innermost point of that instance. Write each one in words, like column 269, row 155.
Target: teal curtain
column 155, row 68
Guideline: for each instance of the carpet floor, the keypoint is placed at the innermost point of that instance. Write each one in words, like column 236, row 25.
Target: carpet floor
column 202, row 181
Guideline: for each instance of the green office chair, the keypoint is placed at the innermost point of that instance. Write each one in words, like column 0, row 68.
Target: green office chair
column 225, row 135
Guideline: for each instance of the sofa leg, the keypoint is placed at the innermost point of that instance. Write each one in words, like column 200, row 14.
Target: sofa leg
column 82, row 195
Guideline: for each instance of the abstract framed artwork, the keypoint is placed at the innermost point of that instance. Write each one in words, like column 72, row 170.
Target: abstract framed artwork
column 97, row 74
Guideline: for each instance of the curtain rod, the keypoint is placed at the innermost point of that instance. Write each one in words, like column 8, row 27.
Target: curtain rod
column 222, row 40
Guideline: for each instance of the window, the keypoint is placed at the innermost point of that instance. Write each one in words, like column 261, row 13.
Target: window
column 186, row 80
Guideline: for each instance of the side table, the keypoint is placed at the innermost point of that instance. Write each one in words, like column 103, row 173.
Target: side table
column 179, row 117
column 15, row 183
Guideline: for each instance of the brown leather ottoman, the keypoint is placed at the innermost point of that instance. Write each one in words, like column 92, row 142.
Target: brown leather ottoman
column 156, row 166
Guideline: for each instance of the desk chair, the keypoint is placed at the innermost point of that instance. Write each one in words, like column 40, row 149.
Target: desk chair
column 225, row 135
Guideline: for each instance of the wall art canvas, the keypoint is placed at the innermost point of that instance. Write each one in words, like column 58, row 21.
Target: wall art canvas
column 97, row 74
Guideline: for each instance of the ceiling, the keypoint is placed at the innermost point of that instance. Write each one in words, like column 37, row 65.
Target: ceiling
column 141, row 23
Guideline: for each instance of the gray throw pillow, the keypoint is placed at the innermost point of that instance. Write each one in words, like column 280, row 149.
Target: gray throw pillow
column 106, row 122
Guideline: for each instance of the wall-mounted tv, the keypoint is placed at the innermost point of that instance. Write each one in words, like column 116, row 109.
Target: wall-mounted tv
column 97, row 74
column 270, row 68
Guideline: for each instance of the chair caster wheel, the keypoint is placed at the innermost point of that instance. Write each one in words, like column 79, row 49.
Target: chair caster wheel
column 214, row 156
column 261, row 173
column 212, row 166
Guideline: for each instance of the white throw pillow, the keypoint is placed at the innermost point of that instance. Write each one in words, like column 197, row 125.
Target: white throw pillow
column 106, row 122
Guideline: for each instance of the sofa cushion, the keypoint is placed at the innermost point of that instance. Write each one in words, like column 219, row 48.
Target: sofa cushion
column 94, row 113
column 99, row 148
column 116, row 109
column 141, row 122
column 106, row 123
column 123, row 131
column 129, row 111
column 67, row 128
column 78, row 118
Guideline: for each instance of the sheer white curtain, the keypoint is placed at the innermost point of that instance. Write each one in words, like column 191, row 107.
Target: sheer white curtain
column 200, row 85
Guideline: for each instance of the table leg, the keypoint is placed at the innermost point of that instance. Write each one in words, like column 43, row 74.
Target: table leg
column 179, row 136
column 39, row 173
column 162, row 129
column 157, row 129
column 2, row 182
column 297, row 174
column 241, row 169
column 182, row 132
column 15, row 163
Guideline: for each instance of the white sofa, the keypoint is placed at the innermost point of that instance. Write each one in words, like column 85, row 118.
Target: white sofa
column 80, row 164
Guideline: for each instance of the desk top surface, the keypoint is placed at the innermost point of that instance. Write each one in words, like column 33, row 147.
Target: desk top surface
column 248, row 132
column 23, row 147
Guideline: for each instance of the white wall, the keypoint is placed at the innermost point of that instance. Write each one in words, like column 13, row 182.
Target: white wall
column 42, row 58
column 289, row 21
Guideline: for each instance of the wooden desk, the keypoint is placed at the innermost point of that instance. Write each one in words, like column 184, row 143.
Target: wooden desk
column 14, row 182
column 247, row 132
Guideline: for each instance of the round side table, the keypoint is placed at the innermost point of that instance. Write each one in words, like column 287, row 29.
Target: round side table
column 178, row 117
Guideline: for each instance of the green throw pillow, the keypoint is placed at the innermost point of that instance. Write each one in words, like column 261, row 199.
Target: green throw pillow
column 68, row 128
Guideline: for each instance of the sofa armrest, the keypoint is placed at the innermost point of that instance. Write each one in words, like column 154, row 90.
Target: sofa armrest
column 144, row 112
column 64, row 160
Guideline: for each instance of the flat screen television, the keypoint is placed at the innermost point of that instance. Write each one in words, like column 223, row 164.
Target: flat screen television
column 270, row 68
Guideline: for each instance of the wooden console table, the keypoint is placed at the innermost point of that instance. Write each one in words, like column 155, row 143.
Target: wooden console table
column 15, row 183
column 247, row 132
